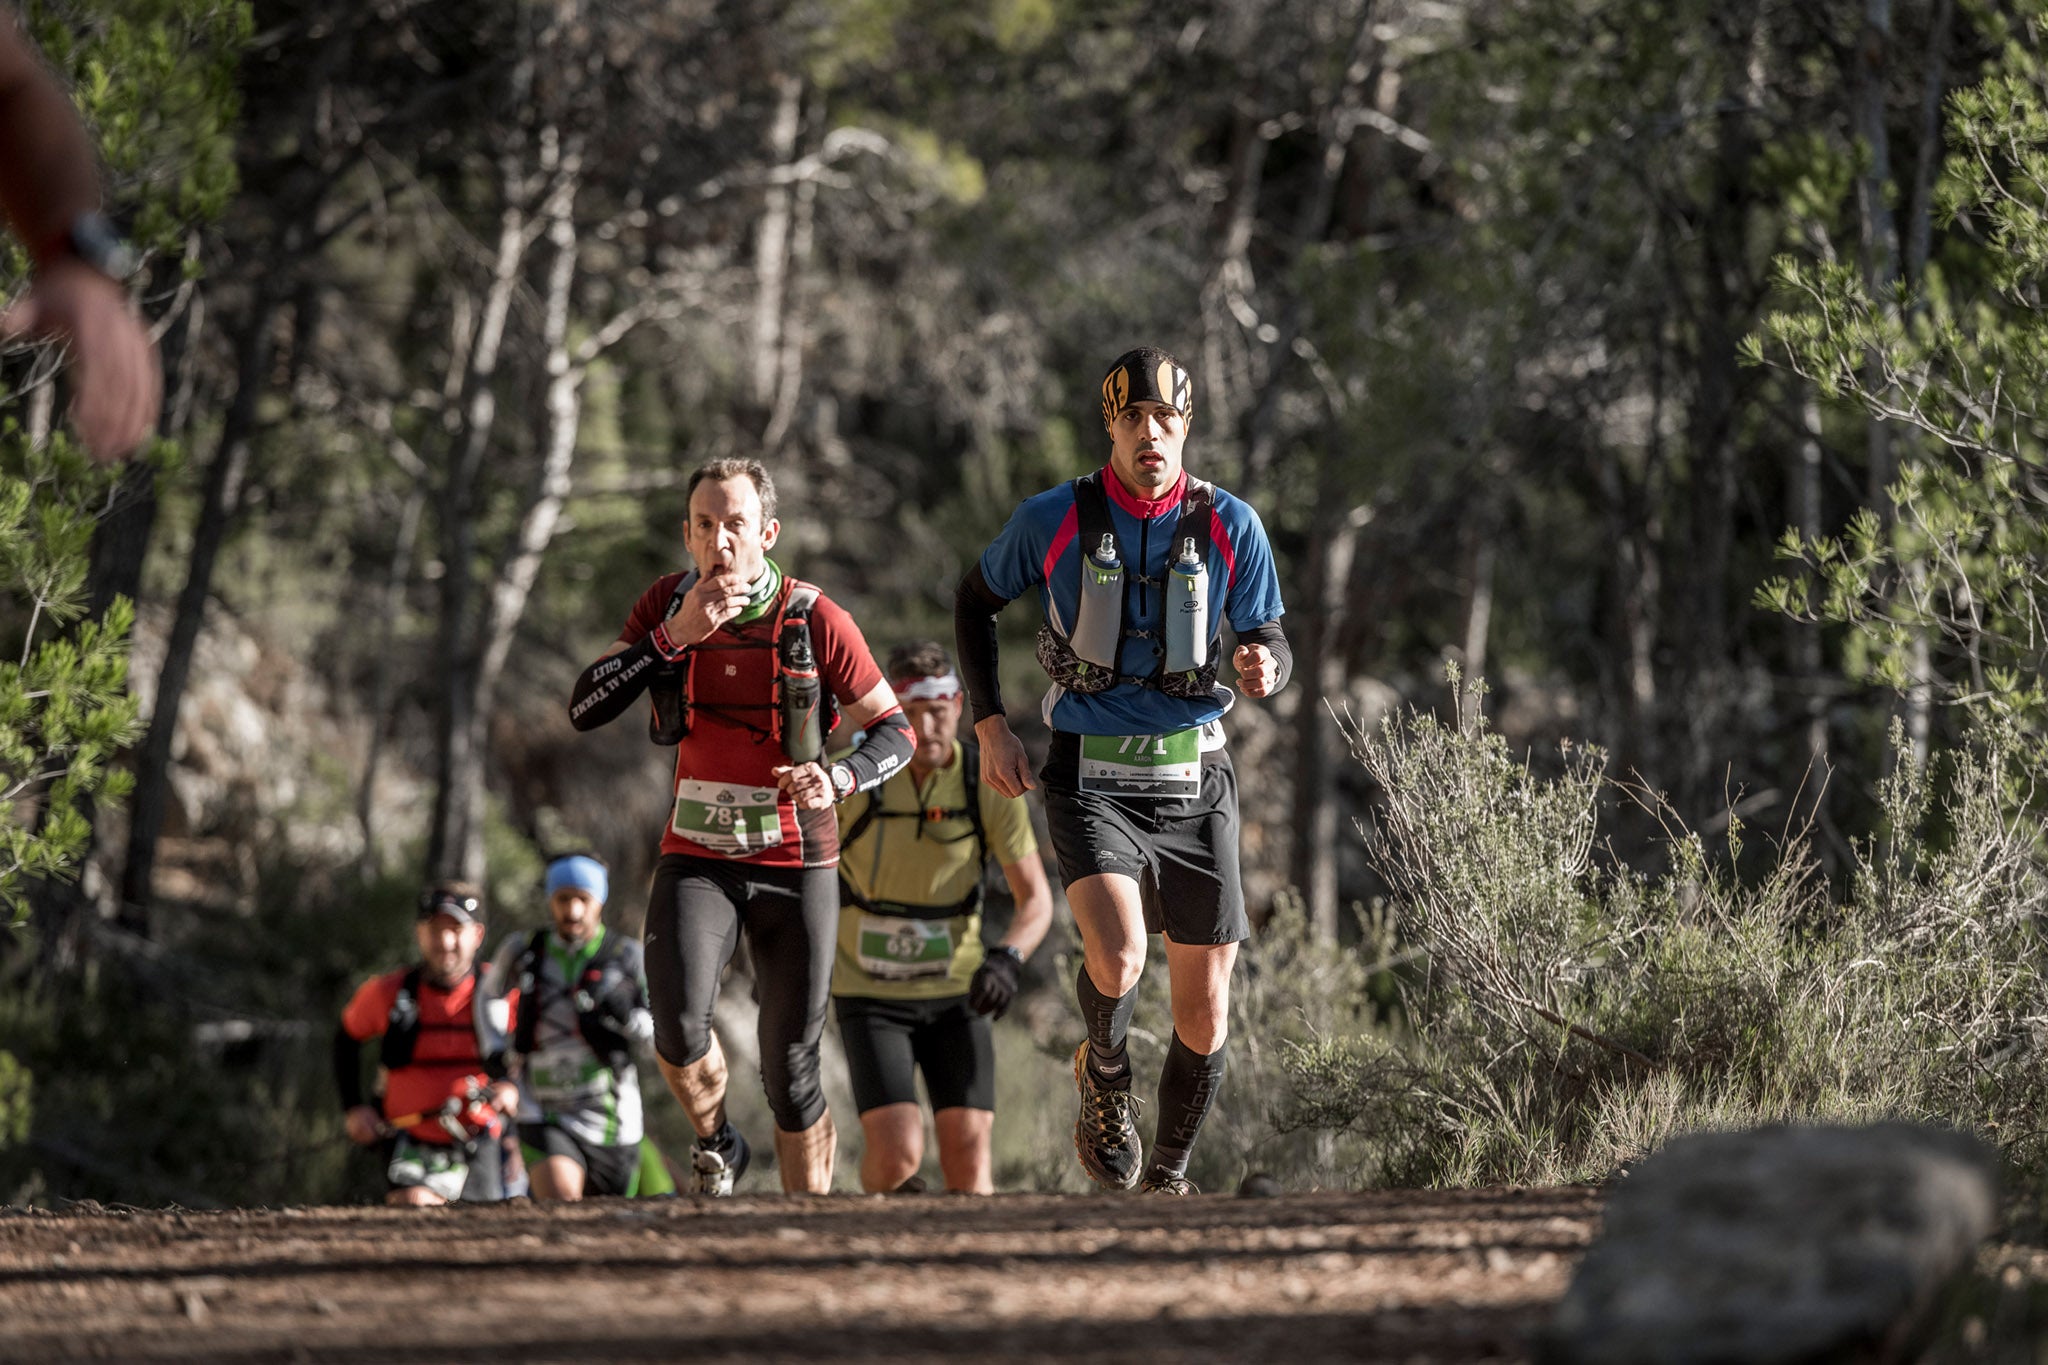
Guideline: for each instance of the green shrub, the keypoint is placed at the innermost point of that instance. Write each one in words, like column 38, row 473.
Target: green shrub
column 64, row 708
column 17, row 1093
column 1567, row 1015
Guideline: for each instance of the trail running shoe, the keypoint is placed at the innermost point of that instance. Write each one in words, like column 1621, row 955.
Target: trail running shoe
column 1106, row 1133
column 1159, row 1182
column 717, row 1172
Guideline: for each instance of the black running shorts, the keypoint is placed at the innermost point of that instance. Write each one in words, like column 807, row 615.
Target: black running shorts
column 889, row 1041
column 606, row 1170
column 1181, row 851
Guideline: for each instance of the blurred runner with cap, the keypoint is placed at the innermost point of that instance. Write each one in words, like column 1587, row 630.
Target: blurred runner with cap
column 913, row 986
column 441, row 1084
column 1137, row 566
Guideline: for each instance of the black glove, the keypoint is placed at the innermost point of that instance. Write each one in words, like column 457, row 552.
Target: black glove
column 995, row 982
column 612, row 998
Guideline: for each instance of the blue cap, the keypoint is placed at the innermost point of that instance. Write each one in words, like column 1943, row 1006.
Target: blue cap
column 579, row 873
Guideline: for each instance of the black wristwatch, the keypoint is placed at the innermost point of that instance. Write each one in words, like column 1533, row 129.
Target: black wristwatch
column 94, row 240
column 1008, row 950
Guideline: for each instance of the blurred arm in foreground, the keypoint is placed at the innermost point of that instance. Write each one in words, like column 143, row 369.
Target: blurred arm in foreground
column 49, row 194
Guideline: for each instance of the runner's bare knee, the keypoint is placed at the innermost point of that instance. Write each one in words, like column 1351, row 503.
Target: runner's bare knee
column 1199, row 975
column 892, row 1146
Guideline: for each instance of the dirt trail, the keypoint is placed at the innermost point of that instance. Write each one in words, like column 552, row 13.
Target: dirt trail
column 1403, row 1276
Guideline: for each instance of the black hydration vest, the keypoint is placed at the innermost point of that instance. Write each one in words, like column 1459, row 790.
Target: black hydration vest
column 600, row 976
column 402, row 1025
column 668, row 719
column 970, row 758
column 1093, row 524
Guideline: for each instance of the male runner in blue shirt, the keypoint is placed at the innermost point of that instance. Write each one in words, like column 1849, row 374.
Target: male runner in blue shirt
column 1138, row 566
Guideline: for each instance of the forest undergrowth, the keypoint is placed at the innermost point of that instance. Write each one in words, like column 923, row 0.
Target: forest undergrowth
column 1561, row 1014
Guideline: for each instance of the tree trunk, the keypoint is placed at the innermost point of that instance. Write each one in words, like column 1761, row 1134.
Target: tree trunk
column 1480, row 557
column 562, row 412
column 771, row 244
column 389, row 596
column 1339, row 120
column 1321, row 680
column 455, row 839
column 1635, row 585
column 1724, row 313
column 120, row 542
column 1810, row 681
column 795, row 331
column 1927, row 159
column 1918, row 704
column 1883, row 270
column 1879, row 231
column 42, row 404
column 1226, row 310
column 220, row 501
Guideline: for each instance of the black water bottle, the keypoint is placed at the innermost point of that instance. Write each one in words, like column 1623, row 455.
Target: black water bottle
column 668, row 716
column 803, row 740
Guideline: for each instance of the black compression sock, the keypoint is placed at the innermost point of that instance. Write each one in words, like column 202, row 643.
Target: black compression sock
column 721, row 1141
column 1187, row 1088
column 1108, row 1019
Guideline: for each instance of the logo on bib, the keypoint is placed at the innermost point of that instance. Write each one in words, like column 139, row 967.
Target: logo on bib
column 906, row 944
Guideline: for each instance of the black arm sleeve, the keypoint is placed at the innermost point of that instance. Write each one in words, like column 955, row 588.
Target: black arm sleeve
column 975, row 607
column 348, row 1068
column 604, row 690
column 886, row 745
column 1269, row 635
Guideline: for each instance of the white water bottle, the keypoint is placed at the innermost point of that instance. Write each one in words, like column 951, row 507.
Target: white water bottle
column 1187, row 611
column 1099, row 623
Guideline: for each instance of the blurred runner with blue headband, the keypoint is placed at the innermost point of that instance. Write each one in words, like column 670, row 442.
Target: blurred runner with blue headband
column 582, row 1011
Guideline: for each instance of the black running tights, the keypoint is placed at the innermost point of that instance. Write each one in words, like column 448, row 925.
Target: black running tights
column 791, row 918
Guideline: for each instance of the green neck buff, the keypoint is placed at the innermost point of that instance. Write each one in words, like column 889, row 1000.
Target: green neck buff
column 761, row 594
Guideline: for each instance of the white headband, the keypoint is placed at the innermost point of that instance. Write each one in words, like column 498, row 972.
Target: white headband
column 936, row 688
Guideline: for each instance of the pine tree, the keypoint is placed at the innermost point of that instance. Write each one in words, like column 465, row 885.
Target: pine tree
column 64, row 708
column 1958, row 357
column 154, row 83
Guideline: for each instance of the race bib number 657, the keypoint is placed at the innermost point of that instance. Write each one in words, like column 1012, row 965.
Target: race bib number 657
column 1167, row 765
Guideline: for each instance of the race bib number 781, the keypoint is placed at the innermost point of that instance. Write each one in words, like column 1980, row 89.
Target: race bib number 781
column 733, row 820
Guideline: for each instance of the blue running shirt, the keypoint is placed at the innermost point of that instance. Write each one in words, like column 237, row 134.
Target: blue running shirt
column 1041, row 547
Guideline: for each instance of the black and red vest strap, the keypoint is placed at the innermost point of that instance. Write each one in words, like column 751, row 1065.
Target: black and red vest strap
column 1092, row 521
column 605, row 1038
column 402, row 1025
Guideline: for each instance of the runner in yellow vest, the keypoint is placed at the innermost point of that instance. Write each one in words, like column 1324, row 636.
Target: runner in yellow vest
column 913, row 986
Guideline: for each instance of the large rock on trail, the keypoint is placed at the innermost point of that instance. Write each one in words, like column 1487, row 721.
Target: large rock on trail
column 1778, row 1245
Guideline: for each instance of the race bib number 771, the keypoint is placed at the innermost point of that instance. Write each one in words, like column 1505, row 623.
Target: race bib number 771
column 1168, row 765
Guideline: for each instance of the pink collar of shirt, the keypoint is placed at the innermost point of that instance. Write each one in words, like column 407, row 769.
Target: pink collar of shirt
column 1144, row 507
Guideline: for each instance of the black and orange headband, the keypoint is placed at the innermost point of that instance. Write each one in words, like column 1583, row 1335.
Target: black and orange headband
column 1147, row 375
